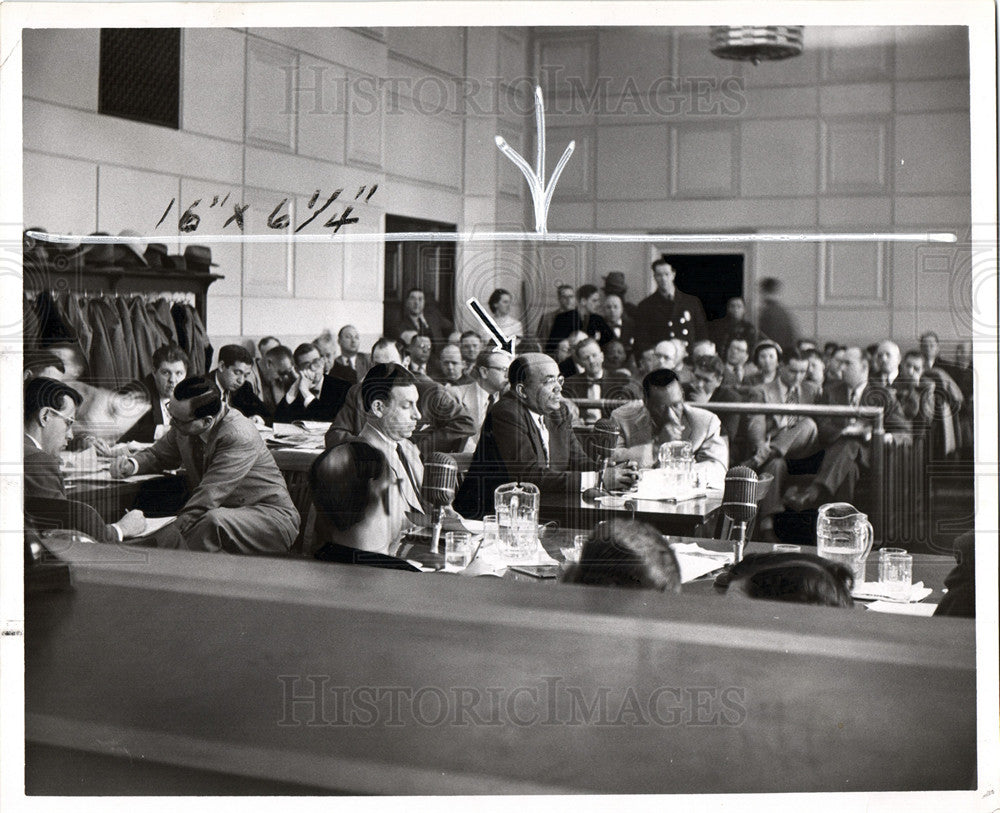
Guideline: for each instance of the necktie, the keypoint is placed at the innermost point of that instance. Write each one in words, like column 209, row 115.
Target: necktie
column 407, row 469
column 543, row 433
column 792, row 397
column 593, row 392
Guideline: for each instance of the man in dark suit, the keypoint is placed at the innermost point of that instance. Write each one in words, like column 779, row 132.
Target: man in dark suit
column 621, row 324
column 733, row 325
column 668, row 313
column 566, row 295
column 846, row 440
column 231, row 377
column 706, row 387
column 170, row 365
column 238, row 502
column 444, row 424
column 528, row 437
column 49, row 415
column 350, row 364
column 416, row 316
column 596, row 383
column 584, row 317
column 315, row 396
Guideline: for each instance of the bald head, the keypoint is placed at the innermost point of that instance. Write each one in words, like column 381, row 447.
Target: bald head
column 535, row 380
column 887, row 359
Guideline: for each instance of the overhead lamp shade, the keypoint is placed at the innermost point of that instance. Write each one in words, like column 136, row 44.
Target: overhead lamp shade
column 755, row 44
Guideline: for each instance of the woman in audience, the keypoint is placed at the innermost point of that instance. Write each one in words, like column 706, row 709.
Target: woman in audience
column 626, row 553
column 357, row 521
column 500, row 303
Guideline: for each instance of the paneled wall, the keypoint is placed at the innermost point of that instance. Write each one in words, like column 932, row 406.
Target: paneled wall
column 868, row 131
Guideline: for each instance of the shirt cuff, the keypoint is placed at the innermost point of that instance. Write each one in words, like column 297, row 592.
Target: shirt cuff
column 118, row 531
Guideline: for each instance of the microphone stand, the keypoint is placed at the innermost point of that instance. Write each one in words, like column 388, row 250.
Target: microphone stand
column 740, row 542
column 436, row 532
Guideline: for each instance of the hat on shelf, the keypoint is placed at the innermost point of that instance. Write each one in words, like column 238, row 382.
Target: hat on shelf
column 98, row 253
column 174, row 262
column 614, row 283
column 130, row 251
column 199, row 258
column 155, row 254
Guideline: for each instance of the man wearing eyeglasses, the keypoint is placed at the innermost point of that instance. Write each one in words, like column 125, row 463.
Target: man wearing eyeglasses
column 316, row 395
column 232, row 378
column 489, row 383
column 528, row 436
column 238, row 501
column 49, row 415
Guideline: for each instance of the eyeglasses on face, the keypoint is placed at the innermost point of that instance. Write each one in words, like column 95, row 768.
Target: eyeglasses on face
column 69, row 419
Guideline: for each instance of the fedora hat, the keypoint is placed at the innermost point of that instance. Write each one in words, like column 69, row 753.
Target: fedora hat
column 614, row 283
column 199, row 258
column 174, row 262
column 155, row 254
column 98, row 253
column 129, row 252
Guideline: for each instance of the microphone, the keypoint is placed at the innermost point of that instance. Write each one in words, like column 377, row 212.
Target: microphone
column 438, row 489
column 743, row 490
column 603, row 442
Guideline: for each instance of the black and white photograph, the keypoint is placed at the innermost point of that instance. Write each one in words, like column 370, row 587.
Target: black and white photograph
column 500, row 400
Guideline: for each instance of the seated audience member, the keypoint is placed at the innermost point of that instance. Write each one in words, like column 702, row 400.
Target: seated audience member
column 816, row 369
column 420, row 316
column 707, row 388
column 257, row 377
column 950, row 400
column 615, row 358
column 733, row 325
column 350, row 364
column 835, row 364
column 527, row 436
column 238, row 500
column 488, row 384
column 327, row 349
column 49, row 413
column 595, row 383
column 737, row 364
column 766, row 357
column 845, row 440
column 444, row 425
column 389, row 394
column 359, row 520
column 885, row 368
column 450, row 366
column 663, row 416
column 230, row 377
column 666, row 352
column 802, row 578
column 566, row 357
column 585, row 318
column 314, row 396
column 419, row 350
column 626, row 553
column 170, row 365
column 470, row 344
column 960, row 600
column 567, row 302
column 43, row 364
column 775, row 441
column 621, row 324
column 915, row 393
column 277, row 376
column 703, row 348
column 805, row 345
column 500, row 303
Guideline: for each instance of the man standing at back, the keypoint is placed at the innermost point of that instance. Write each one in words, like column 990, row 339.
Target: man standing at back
column 238, row 502
column 668, row 313
column 775, row 321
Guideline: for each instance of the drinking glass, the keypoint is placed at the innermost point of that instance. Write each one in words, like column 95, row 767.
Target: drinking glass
column 898, row 575
column 883, row 557
column 457, row 549
column 491, row 531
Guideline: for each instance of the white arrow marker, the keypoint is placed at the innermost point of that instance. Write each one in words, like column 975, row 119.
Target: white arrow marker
column 486, row 318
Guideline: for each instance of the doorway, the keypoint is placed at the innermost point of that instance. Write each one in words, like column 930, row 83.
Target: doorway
column 428, row 265
column 713, row 278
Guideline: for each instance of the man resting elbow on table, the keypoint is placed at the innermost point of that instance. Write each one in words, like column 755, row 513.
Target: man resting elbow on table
column 239, row 502
column 528, row 437
column 663, row 416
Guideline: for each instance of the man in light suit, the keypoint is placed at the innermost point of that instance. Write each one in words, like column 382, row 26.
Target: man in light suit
column 528, row 437
column 663, row 416
column 238, row 502
column 389, row 393
column 350, row 364
column 488, row 384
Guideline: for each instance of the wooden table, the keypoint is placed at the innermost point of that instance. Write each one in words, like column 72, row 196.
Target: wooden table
column 681, row 518
column 196, row 673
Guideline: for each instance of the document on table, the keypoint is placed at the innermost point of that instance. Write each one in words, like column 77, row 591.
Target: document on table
column 695, row 561
column 653, row 485
column 896, row 608
column 153, row 524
